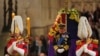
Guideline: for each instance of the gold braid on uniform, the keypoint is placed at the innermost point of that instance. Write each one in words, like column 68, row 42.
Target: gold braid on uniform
column 78, row 42
column 95, row 41
column 55, row 47
column 66, row 47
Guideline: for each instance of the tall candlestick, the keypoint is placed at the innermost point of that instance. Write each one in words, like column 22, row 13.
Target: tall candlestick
column 28, row 26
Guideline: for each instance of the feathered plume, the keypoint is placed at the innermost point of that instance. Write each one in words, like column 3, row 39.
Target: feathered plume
column 17, row 23
column 84, row 28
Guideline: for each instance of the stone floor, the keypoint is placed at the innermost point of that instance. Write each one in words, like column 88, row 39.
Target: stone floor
column 3, row 40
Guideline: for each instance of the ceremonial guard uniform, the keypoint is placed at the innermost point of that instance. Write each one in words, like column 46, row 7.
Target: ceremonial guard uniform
column 16, row 45
column 86, row 46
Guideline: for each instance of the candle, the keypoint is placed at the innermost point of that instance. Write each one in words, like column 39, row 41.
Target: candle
column 28, row 26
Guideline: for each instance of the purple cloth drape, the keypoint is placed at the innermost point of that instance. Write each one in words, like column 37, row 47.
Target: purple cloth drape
column 72, row 48
column 72, row 27
column 51, row 49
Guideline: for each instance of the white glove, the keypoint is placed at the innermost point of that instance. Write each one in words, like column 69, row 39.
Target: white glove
column 60, row 50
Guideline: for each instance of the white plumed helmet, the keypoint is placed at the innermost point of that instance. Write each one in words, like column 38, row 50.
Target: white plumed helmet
column 17, row 25
column 84, row 28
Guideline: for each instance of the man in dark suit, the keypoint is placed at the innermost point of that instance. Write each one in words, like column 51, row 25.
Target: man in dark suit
column 38, row 47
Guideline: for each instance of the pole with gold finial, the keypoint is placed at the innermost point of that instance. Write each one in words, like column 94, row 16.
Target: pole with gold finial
column 28, row 26
column 28, row 31
column 13, row 14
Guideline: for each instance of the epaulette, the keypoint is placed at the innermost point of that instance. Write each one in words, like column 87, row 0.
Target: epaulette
column 26, row 40
column 78, row 42
column 95, row 41
column 55, row 47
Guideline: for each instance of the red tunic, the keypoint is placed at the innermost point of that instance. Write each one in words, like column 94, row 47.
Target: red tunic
column 9, row 43
column 23, row 46
column 80, row 45
column 92, row 46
